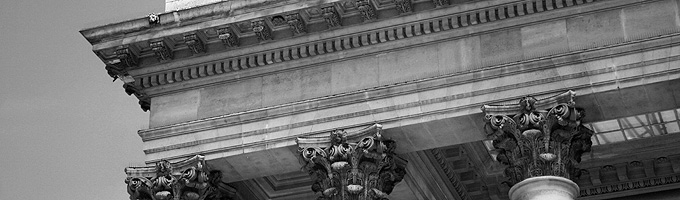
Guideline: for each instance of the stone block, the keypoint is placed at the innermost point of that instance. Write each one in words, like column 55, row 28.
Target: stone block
column 650, row 19
column 355, row 74
column 174, row 108
column 544, row 39
column 459, row 55
column 316, row 81
column 594, row 30
column 281, row 88
column 231, row 98
column 501, row 47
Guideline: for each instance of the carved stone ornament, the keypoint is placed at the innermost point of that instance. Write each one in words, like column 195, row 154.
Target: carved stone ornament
column 403, row 6
column 538, row 137
column 440, row 3
column 144, row 100
column 296, row 23
column 124, row 59
column 186, row 180
column 194, row 43
column 153, row 19
column 261, row 30
column 228, row 37
column 331, row 17
column 366, row 9
column 364, row 170
column 161, row 50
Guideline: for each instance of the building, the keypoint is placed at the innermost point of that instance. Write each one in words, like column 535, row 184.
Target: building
column 276, row 99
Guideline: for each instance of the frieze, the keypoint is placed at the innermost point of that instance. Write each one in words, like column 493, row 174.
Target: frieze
column 156, row 133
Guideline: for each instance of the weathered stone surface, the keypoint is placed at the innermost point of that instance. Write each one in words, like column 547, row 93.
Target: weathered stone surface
column 596, row 29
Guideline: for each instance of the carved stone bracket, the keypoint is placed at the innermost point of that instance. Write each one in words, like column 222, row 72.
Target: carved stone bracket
column 367, row 169
column 440, row 3
column 144, row 100
column 366, row 9
column 296, row 23
column 261, row 29
column 330, row 15
column 403, row 6
column 538, row 137
column 125, row 58
column 228, row 37
column 190, row 179
column 194, row 43
column 161, row 50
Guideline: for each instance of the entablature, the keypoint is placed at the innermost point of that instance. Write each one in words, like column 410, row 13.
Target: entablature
column 186, row 44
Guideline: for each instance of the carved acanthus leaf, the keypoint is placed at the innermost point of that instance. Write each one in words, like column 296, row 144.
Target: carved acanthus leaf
column 536, row 142
column 186, row 180
column 364, row 170
column 261, row 29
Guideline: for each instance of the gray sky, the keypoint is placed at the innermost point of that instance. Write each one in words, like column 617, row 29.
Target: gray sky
column 66, row 131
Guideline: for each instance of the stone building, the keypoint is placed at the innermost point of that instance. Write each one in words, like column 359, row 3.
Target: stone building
column 403, row 99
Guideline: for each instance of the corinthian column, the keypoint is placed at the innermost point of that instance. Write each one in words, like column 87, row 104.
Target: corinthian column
column 361, row 165
column 540, row 142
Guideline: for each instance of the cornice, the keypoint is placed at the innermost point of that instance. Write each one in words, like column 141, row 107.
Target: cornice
column 422, row 85
column 155, row 81
column 211, row 32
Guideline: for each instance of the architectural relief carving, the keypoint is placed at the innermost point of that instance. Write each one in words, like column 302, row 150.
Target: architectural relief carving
column 364, row 170
column 228, row 37
column 187, row 180
column 161, row 50
column 538, row 137
column 144, row 100
column 440, row 3
column 125, row 58
column 366, row 9
column 403, row 6
column 194, row 43
column 261, row 29
column 153, row 19
column 296, row 23
column 330, row 15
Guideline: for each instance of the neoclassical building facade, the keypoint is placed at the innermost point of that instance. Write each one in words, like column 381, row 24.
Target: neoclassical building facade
column 402, row 99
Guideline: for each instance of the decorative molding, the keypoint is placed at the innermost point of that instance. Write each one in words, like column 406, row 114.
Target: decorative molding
column 451, row 175
column 209, row 123
column 364, row 170
column 194, row 43
column 261, row 29
column 662, row 174
column 189, row 179
column 403, row 6
column 440, row 3
column 367, row 10
column 330, row 15
column 342, row 43
column 228, row 37
column 534, row 141
column 297, row 25
column 161, row 50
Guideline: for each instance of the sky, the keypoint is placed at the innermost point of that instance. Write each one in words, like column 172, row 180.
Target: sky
column 66, row 130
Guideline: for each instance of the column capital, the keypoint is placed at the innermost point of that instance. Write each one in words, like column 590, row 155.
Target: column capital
column 190, row 179
column 343, row 167
column 538, row 137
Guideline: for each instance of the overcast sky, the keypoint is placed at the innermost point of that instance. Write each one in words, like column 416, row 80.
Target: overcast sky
column 66, row 130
